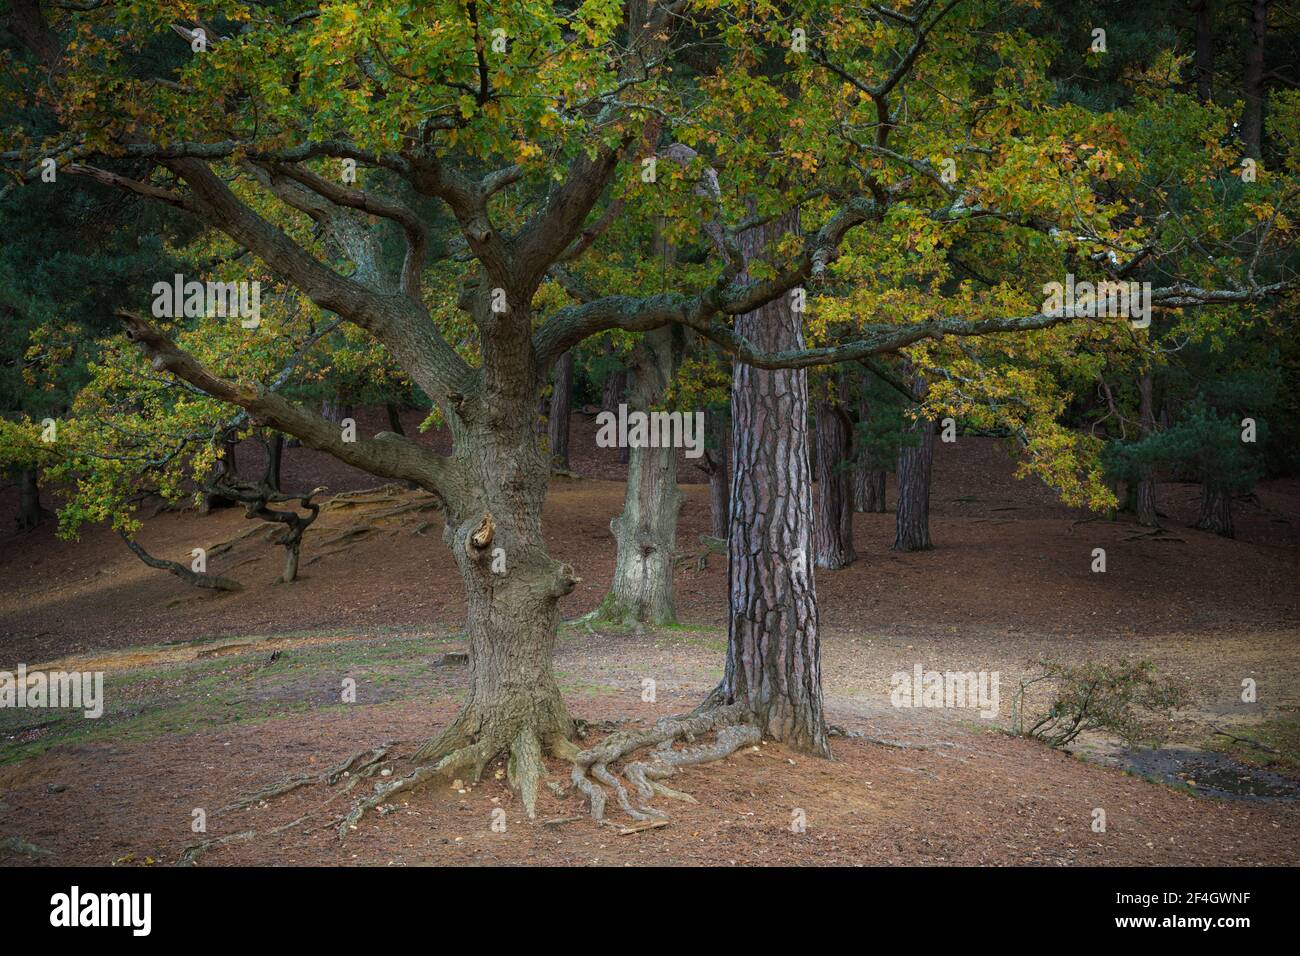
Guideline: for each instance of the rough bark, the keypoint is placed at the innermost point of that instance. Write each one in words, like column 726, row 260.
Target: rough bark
column 494, row 529
column 561, row 406
column 868, row 486
column 915, row 460
column 646, row 529
column 773, row 647
column 614, row 392
column 1216, row 510
column 833, row 515
column 1252, row 121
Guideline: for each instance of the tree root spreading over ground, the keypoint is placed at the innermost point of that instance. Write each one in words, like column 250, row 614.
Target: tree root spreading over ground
column 453, row 754
column 663, row 760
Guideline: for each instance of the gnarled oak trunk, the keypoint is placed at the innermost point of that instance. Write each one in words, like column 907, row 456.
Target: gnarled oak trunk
column 512, row 587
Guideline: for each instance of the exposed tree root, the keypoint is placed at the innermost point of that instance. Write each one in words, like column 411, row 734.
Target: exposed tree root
column 662, row 761
column 191, row 853
column 365, row 763
column 835, row 730
column 1156, row 534
column 16, row 844
column 524, row 771
column 453, row 737
column 365, row 496
column 467, row 745
column 351, row 534
column 468, row 761
column 463, row 749
column 425, row 504
column 223, row 546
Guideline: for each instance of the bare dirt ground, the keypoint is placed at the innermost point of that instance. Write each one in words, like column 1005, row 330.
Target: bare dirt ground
column 211, row 697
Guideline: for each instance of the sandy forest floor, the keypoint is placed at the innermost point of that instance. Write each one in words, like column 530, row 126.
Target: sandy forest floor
column 211, row 697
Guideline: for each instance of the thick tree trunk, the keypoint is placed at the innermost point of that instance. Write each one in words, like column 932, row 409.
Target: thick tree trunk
column 833, row 517
column 773, row 646
column 1252, row 123
column 912, row 522
column 513, row 587
column 561, row 404
column 30, row 512
column 1216, row 510
column 1144, row 493
column 646, row 530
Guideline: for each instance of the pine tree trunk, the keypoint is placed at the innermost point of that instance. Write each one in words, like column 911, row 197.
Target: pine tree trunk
column 1144, row 494
column 912, row 522
column 646, row 530
column 773, row 646
column 720, row 490
column 1252, row 124
column 1216, row 510
column 561, row 404
column 868, row 487
column 833, row 515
